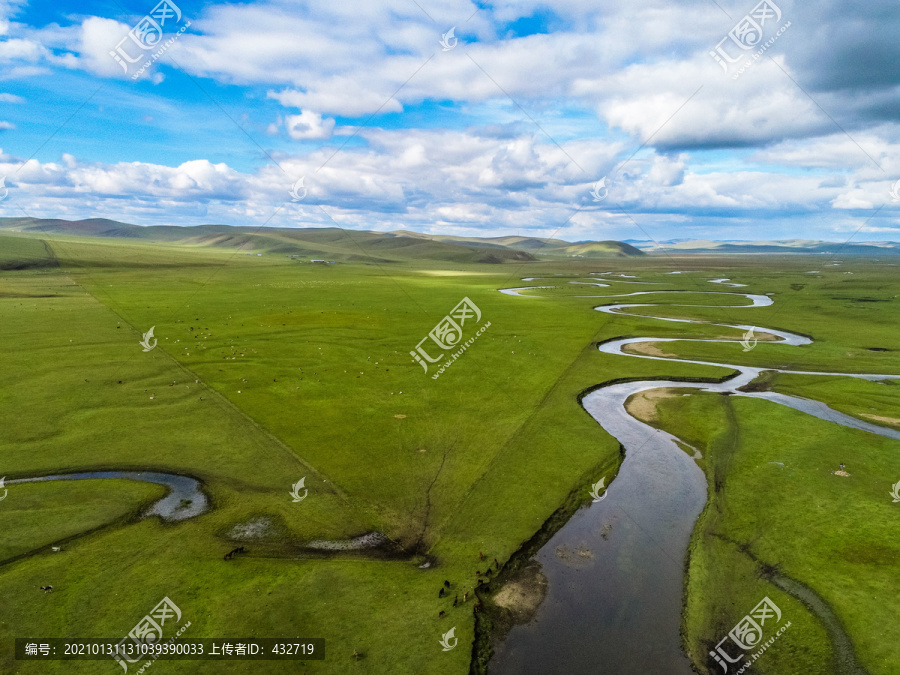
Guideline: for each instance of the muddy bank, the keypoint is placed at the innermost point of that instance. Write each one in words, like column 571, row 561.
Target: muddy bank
column 493, row 624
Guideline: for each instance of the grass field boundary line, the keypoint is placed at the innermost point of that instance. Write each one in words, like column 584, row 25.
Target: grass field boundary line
column 234, row 412
column 519, row 430
column 592, row 345
column 122, row 521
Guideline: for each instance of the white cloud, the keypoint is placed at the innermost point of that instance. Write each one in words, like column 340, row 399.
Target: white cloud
column 308, row 125
column 97, row 39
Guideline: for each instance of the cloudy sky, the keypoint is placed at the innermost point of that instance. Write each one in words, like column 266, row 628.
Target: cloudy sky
column 576, row 118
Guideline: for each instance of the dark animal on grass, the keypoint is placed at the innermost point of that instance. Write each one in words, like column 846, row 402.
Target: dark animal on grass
column 441, row 592
column 455, row 600
column 480, row 555
column 441, row 614
column 46, row 589
column 234, row 552
column 446, row 584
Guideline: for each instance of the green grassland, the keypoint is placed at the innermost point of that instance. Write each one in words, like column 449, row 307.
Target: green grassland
column 775, row 504
column 268, row 370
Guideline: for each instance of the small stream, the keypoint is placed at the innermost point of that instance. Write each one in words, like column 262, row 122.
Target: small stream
column 185, row 498
column 615, row 570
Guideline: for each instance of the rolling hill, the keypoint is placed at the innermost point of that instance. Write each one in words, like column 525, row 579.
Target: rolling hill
column 332, row 243
column 700, row 246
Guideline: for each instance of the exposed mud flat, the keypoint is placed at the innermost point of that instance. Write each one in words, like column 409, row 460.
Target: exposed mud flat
column 254, row 529
column 648, row 349
column 643, row 405
column 368, row 540
column 523, row 593
column 879, row 418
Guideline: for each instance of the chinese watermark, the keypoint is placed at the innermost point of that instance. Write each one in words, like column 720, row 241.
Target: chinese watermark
column 447, row 637
column 596, row 191
column 747, row 36
column 895, row 493
column 298, row 190
column 895, row 191
column 749, row 341
column 146, row 35
column 748, row 634
column 595, row 490
column 148, row 631
column 449, row 40
column 145, row 341
column 295, row 490
column 447, row 335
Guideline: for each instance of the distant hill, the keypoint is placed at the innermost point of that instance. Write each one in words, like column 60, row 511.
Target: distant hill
column 536, row 245
column 806, row 246
column 332, row 243
column 600, row 249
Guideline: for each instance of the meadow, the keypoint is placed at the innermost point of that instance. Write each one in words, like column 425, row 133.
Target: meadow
column 270, row 369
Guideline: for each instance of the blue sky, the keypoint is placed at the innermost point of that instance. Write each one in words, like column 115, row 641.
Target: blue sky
column 502, row 128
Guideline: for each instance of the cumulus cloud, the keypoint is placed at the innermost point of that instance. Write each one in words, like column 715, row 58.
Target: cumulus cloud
column 97, row 39
column 308, row 125
column 810, row 131
column 445, row 181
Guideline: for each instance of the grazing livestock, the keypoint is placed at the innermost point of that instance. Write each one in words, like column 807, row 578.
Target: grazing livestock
column 446, row 584
column 441, row 592
column 46, row 589
column 455, row 600
column 441, row 614
column 234, row 552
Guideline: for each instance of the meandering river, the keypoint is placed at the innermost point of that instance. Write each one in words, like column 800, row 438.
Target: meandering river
column 615, row 571
column 185, row 498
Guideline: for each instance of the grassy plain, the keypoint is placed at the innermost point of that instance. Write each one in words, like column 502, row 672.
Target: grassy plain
column 268, row 369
